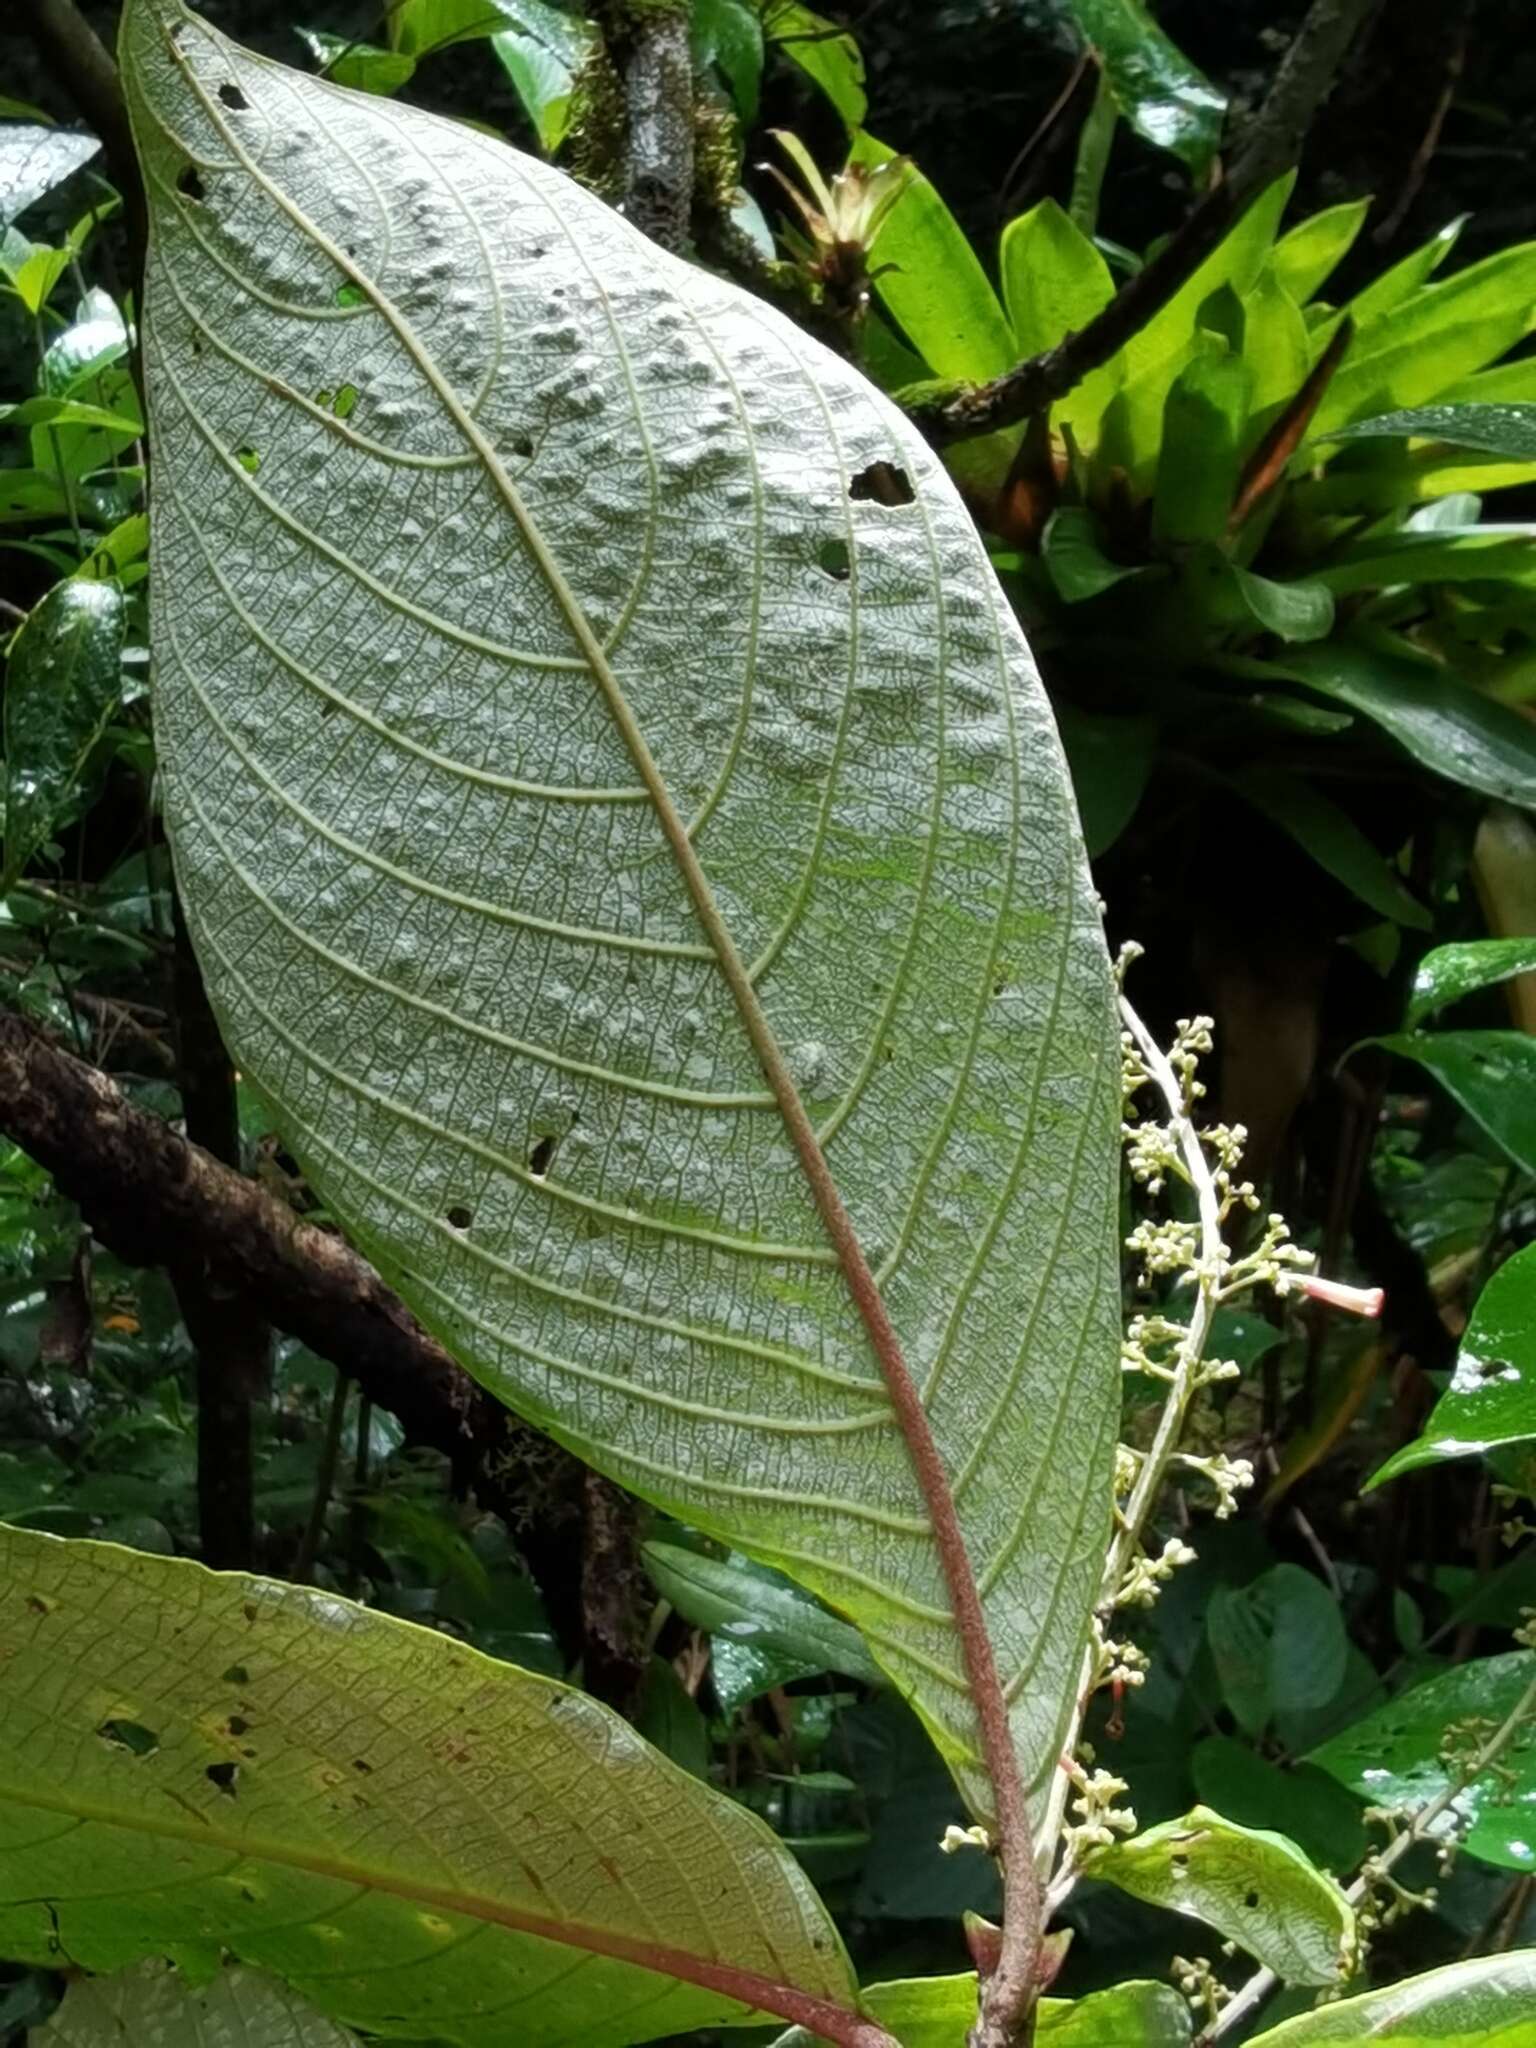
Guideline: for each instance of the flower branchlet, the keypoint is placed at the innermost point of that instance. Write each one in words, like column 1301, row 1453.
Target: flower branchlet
column 1099, row 1818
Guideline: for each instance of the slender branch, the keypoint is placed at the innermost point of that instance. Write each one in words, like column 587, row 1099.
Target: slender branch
column 325, row 1481
column 1262, row 1985
column 653, row 53
column 1270, row 147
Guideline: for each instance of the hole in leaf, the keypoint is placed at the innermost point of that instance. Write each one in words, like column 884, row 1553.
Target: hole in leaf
column 225, row 1776
column 350, row 294
column 249, row 1609
column 883, row 484
column 236, row 1675
column 248, row 459
column 191, row 186
column 1250, row 1900
column 36, row 1604
column 237, row 1724
column 344, row 401
column 460, row 1217
column 328, row 707
column 362, row 1764
column 540, row 1156
column 232, row 96
column 1179, row 1865
column 520, row 444
column 832, row 559
column 129, row 1735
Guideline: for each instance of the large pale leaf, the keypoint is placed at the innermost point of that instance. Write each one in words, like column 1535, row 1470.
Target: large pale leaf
column 1486, row 2003
column 192, row 1761
column 153, row 2005
column 586, row 784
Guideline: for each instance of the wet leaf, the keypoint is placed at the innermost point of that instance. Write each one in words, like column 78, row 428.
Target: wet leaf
column 1485, row 2003
column 35, row 158
column 1256, row 1888
column 574, row 768
column 1508, row 430
column 1449, row 973
column 237, row 1763
column 1492, row 1074
column 1394, row 1757
column 1159, row 92
column 1491, row 1399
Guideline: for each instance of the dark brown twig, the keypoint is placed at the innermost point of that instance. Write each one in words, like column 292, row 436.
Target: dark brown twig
column 1272, row 145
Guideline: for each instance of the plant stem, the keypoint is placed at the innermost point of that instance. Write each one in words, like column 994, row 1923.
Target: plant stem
column 1262, row 1985
column 325, row 1480
column 1270, row 147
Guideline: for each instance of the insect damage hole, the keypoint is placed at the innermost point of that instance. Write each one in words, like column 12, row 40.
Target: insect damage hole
column 191, row 186
column 226, row 1777
column 232, row 96
column 129, row 1735
column 834, row 560
column 882, row 483
column 540, row 1156
column 459, row 1217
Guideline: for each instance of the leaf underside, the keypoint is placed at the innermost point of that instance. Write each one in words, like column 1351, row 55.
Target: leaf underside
column 468, row 502
column 420, row 1840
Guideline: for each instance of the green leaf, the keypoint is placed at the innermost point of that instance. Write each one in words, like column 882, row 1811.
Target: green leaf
column 1485, row 2003
column 1321, row 1818
column 1380, row 299
column 936, row 2012
column 1159, row 92
column 1492, row 1074
column 1306, row 256
column 1393, row 1757
column 1444, row 723
column 1110, row 759
column 571, row 763
column 1507, row 429
column 769, row 1614
column 63, row 676
column 67, row 412
column 1441, row 334
column 728, row 35
column 1197, row 471
column 929, row 277
column 192, row 1760
column 1075, row 559
column 1437, row 554
column 1450, row 973
column 95, row 339
column 1278, row 1643
column 362, row 66
column 1054, row 282
column 671, row 1721
column 1234, row 597
column 153, row 2003
column 1256, row 1888
column 825, row 53
column 33, row 159
column 541, row 53
column 1236, row 261
column 1333, row 839
column 1275, row 346
column 1491, row 1398
column 417, row 27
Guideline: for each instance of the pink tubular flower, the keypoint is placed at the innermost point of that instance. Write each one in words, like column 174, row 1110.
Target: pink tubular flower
column 1359, row 1301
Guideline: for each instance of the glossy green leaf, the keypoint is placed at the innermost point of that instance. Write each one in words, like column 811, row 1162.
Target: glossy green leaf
column 936, row 2012
column 1382, row 297
column 362, row 66
column 542, row 53
column 728, row 1600
column 1111, row 759
column 417, row 27
column 94, row 340
column 930, row 279
column 1508, row 429
column 1491, row 1398
column 1278, row 1643
column 33, row 159
column 191, row 1760
column 63, row 676
column 1333, row 839
column 1236, row 261
column 1306, row 256
column 1492, row 1074
column 1054, row 282
column 1437, row 554
column 571, row 763
column 1450, row 973
column 157, row 2008
column 1439, row 335
column 1394, row 1757
column 1158, row 91
column 1275, row 347
column 1203, row 433
column 1485, row 2003
column 1256, row 1888
column 1321, row 1818
column 827, row 54
column 67, row 412
column 728, row 36
column 1231, row 596
column 1454, row 730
